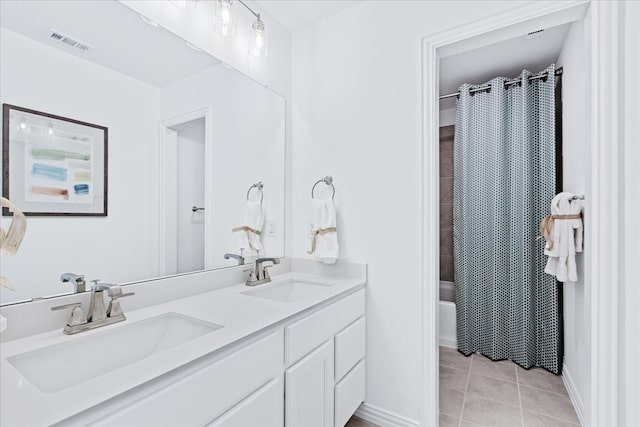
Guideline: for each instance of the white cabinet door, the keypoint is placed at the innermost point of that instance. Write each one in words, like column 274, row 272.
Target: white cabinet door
column 263, row 408
column 309, row 390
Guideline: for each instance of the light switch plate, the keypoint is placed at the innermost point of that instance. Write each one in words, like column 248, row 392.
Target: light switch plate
column 272, row 228
column 311, row 227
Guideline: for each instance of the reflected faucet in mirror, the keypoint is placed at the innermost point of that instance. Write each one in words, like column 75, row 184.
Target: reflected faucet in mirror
column 239, row 258
column 79, row 285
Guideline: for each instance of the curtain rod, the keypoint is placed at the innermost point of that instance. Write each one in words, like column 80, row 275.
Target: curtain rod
column 507, row 83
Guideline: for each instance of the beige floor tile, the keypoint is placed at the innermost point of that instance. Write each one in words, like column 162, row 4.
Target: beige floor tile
column 533, row 419
column 552, row 404
column 454, row 359
column 490, row 413
column 358, row 422
column 491, row 388
column 453, row 378
column 502, row 370
column 451, row 402
column 542, row 379
column 447, row 421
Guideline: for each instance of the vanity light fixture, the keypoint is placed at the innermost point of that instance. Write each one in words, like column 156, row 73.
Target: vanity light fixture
column 184, row 4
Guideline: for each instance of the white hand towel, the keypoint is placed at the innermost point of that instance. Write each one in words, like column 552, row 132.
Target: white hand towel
column 251, row 229
column 325, row 235
column 566, row 238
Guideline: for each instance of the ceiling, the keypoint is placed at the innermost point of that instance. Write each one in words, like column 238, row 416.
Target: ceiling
column 506, row 58
column 295, row 14
column 118, row 37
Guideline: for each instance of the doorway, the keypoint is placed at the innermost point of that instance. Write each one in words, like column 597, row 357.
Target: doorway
column 602, row 23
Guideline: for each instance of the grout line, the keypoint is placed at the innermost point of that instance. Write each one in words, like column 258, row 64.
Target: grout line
column 546, row 391
column 551, row 416
column 519, row 397
column 466, row 389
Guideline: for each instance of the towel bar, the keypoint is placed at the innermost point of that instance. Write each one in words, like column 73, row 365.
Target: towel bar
column 258, row 186
column 328, row 180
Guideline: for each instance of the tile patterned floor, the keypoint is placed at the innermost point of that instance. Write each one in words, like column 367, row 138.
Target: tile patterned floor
column 477, row 391
column 358, row 422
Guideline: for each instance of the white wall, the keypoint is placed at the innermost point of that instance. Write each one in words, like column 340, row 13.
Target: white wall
column 43, row 78
column 248, row 134
column 629, row 392
column 574, row 57
column 190, row 162
column 357, row 116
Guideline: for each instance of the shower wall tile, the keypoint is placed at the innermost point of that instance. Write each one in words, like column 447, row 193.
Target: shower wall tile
column 446, row 133
column 446, row 241
column 446, row 215
column 446, row 202
column 446, row 164
column 446, row 191
column 446, row 268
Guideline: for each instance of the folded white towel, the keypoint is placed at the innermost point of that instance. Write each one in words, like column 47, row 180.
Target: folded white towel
column 251, row 229
column 566, row 238
column 326, row 236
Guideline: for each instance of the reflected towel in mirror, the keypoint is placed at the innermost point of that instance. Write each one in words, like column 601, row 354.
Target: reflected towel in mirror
column 251, row 229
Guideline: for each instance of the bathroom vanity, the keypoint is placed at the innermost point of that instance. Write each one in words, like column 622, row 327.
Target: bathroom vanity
column 291, row 352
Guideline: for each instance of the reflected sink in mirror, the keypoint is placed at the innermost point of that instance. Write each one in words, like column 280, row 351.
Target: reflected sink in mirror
column 288, row 291
column 60, row 366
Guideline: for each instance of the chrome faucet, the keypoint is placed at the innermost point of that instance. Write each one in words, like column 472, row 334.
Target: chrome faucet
column 79, row 285
column 97, row 315
column 260, row 274
column 237, row 257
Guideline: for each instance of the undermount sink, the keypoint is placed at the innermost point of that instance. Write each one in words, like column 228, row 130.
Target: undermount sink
column 288, row 291
column 60, row 366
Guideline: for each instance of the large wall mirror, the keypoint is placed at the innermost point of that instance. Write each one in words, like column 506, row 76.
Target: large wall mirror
column 195, row 149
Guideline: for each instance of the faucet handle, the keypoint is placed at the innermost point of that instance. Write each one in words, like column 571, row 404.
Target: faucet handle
column 265, row 272
column 114, row 309
column 77, row 316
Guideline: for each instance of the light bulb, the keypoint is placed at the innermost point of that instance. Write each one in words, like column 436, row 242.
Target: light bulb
column 23, row 124
column 226, row 14
column 258, row 45
column 225, row 22
column 184, row 4
column 50, row 129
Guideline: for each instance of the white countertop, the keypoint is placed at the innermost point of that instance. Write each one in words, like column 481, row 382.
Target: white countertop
column 240, row 315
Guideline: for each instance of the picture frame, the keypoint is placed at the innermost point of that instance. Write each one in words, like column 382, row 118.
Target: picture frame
column 53, row 165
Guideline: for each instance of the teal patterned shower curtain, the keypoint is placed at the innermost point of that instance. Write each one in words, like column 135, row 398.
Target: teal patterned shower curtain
column 504, row 180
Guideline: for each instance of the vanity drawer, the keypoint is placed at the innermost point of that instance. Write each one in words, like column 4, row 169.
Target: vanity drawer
column 350, row 347
column 349, row 394
column 200, row 396
column 308, row 333
column 263, row 408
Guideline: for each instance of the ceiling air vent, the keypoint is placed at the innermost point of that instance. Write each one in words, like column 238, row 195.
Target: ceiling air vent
column 69, row 41
column 534, row 34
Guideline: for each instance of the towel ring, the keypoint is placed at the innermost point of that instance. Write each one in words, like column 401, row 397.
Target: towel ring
column 328, row 180
column 258, row 186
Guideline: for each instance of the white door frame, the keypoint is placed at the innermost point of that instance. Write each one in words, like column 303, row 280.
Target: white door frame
column 604, row 199
column 205, row 113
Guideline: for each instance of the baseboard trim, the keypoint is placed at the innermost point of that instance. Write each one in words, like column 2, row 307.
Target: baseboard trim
column 448, row 342
column 573, row 394
column 384, row 418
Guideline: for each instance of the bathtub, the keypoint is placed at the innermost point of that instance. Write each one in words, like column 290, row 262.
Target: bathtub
column 447, row 330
